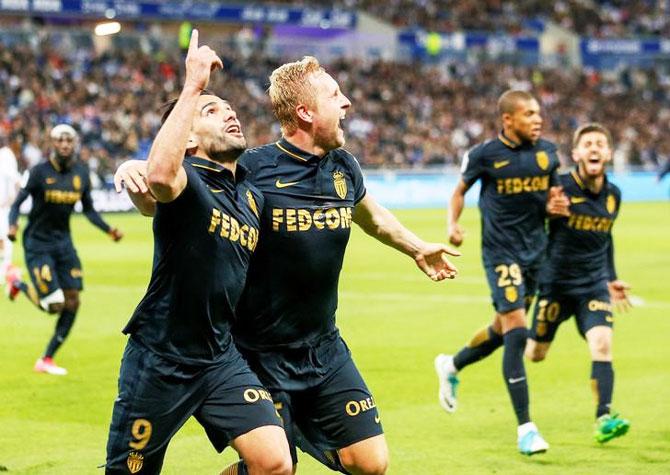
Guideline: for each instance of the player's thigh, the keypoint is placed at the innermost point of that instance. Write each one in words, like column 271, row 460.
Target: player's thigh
column 508, row 287
column 551, row 309
column 366, row 456
column 236, row 403
column 339, row 413
column 68, row 269
column 155, row 398
column 596, row 323
column 41, row 266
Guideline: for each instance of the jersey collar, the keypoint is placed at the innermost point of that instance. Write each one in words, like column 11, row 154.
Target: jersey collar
column 580, row 183
column 209, row 166
column 294, row 152
column 507, row 141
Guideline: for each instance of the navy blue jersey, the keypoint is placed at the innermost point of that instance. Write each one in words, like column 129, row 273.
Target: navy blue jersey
column 54, row 192
column 580, row 247
column 291, row 294
column 515, row 180
column 203, row 241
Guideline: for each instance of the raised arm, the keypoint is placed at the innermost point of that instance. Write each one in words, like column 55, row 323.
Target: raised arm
column 166, row 177
column 380, row 223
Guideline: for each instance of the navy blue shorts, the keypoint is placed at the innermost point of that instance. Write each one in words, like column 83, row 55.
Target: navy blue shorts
column 54, row 269
column 157, row 396
column 512, row 285
column 321, row 396
column 591, row 308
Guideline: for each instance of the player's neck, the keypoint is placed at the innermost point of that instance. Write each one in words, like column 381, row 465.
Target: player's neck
column 592, row 183
column 511, row 136
column 305, row 142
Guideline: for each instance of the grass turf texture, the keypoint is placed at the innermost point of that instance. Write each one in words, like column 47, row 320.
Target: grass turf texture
column 395, row 321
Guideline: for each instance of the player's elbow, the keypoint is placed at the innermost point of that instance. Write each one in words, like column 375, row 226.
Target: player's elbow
column 163, row 186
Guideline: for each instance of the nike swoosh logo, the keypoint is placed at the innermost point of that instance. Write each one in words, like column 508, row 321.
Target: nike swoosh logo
column 575, row 200
column 377, row 419
column 609, row 319
column 504, row 163
column 516, row 380
column 279, row 184
column 50, row 181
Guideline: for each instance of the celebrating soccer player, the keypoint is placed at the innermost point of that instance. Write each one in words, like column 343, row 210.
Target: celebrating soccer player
column 180, row 360
column 51, row 259
column 314, row 191
column 517, row 171
column 579, row 277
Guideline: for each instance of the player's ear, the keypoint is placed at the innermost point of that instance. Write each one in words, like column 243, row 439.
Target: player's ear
column 192, row 144
column 304, row 113
column 575, row 157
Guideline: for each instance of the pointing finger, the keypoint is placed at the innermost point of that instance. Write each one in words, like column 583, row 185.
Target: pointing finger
column 193, row 44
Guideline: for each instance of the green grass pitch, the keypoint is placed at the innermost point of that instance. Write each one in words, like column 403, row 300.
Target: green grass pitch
column 395, row 320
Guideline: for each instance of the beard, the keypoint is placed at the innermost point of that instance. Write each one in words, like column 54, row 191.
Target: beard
column 64, row 161
column 225, row 149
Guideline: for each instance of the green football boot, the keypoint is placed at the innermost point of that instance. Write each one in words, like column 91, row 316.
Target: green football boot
column 610, row 426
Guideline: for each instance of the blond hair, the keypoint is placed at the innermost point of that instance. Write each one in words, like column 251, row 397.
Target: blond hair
column 289, row 86
column 509, row 99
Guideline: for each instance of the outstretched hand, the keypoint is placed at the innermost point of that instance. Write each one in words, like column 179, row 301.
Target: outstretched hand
column 558, row 203
column 432, row 260
column 619, row 295
column 200, row 62
column 115, row 234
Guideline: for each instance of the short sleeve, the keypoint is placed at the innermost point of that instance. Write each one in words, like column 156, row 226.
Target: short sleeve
column 471, row 166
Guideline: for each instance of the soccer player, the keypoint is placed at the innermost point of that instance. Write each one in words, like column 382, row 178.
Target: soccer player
column 579, row 276
column 517, row 171
column 51, row 259
column 314, row 191
column 180, row 359
column 10, row 182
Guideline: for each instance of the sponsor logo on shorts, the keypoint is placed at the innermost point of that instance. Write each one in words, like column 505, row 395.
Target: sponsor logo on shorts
column 252, row 395
column 135, row 461
column 354, row 408
column 599, row 305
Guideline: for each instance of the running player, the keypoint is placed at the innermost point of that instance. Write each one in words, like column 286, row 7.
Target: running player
column 180, row 360
column 579, row 276
column 517, row 171
column 55, row 186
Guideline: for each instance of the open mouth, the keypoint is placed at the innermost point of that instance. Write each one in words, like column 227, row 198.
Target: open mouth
column 233, row 129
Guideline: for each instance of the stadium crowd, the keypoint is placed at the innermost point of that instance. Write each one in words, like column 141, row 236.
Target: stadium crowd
column 402, row 116
column 598, row 18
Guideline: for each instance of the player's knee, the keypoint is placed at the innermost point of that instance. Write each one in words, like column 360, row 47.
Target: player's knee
column 370, row 463
column 601, row 347
column 270, row 463
column 54, row 308
column 535, row 352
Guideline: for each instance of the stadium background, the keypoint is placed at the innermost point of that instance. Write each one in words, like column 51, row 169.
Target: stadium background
column 423, row 77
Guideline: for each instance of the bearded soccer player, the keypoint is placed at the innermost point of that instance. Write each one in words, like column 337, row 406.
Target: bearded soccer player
column 314, row 191
column 55, row 186
column 579, row 277
column 517, row 171
column 180, row 360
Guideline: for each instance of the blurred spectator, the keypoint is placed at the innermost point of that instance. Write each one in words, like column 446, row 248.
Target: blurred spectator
column 403, row 115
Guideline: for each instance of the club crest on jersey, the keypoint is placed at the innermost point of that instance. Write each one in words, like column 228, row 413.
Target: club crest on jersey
column 511, row 293
column 340, row 184
column 76, row 182
column 611, row 204
column 135, row 461
column 252, row 203
column 542, row 159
